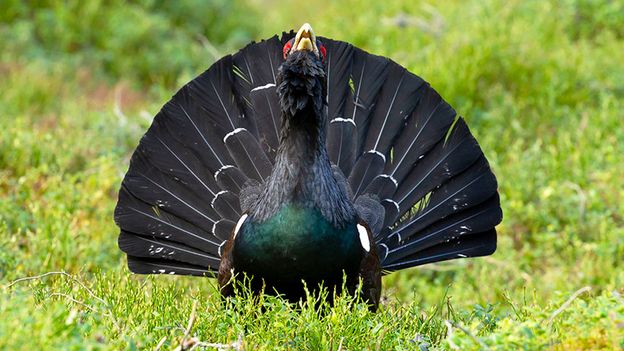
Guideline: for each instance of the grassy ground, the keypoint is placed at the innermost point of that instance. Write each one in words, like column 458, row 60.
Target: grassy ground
column 541, row 84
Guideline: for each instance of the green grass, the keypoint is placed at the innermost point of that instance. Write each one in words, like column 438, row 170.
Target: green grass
column 541, row 84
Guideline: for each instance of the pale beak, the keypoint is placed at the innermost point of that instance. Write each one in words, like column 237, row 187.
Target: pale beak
column 305, row 39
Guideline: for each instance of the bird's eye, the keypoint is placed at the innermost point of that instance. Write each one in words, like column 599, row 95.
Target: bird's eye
column 287, row 47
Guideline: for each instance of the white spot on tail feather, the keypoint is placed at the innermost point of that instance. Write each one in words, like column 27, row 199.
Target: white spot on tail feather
column 223, row 168
column 398, row 235
column 344, row 120
column 383, row 157
column 394, row 203
column 216, row 196
column 363, row 237
column 237, row 130
column 263, row 87
column 387, row 251
column 391, row 178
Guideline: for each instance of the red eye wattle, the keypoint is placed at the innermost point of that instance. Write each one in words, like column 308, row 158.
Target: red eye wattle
column 287, row 48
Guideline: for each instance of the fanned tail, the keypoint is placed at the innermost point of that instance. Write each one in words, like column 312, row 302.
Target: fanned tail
column 416, row 174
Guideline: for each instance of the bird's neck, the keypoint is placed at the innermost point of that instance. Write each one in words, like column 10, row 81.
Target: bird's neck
column 302, row 174
column 302, row 137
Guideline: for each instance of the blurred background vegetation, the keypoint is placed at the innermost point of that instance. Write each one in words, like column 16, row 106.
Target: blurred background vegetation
column 541, row 84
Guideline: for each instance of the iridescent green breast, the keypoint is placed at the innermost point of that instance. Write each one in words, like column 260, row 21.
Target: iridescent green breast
column 297, row 243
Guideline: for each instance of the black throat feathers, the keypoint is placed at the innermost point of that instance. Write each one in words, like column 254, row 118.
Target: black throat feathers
column 302, row 173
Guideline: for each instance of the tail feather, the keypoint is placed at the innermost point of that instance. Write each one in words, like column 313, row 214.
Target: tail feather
column 338, row 65
column 185, row 121
column 227, row 205
column 425, row 127
column 474, row 220
column 213, row 91
column 223, row 228
column 171, row 158
column 383, row 185
column 381, row 98
column 366, row 168
column 135, row 216
column 446, row 160
column 231, row 178
column 150, row 247
column 479, row 244
column 268, row 117
column 142, row 265
column 342, row 143
column 396, row 101
column 254, row 66
column 470, row 188
column 368, row 73
column 258, row 62
column 172, row 194
column 342, row 131
column 246, row 151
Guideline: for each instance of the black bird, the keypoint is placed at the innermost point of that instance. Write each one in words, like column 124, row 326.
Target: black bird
column 300, row 159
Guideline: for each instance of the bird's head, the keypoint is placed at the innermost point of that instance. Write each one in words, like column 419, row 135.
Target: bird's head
column 301, row 78
column 305, row 40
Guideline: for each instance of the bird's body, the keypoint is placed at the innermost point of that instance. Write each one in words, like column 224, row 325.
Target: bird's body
column 318, row 161
column 297, row 244
column 301, row 225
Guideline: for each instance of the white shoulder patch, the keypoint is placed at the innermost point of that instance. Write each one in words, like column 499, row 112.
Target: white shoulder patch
column 363, row 237
column 239, row 224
